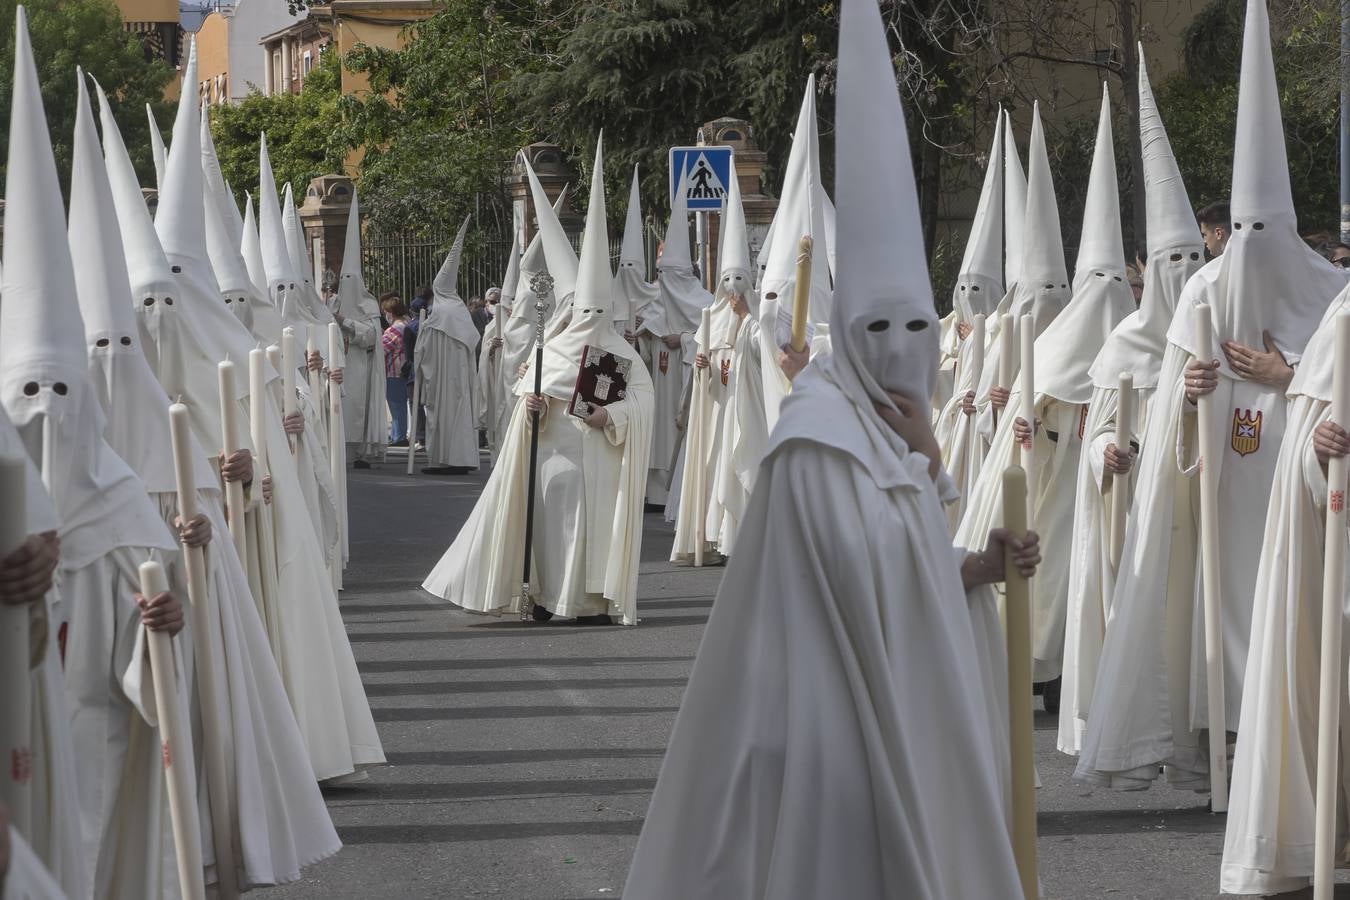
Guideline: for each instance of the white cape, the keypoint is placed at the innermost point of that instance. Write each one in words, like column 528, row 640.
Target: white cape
column 834, row 740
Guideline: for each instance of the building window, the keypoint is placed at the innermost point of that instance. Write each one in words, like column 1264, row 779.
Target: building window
column 307, row 62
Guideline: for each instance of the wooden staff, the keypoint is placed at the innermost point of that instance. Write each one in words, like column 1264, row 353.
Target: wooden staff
column 337, row 445
column 1333, row 593
column 1208, row 424
column 1120, row 486
column 229, row 430
column 16, row 687
column 417, row 395
column 540, row 285
column 698, row 425
column 175, row 746
column 1005, row 355
column 1020, row 722
column 801, row 294
column 1027, row 333
column 214, row 733
column 288, row 367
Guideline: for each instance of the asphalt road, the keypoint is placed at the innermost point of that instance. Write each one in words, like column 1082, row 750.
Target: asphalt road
column 522, row 757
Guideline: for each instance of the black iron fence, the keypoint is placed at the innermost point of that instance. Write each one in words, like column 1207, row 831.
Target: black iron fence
column 402, row 262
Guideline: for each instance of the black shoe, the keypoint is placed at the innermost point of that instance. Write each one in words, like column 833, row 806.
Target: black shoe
column 1050, row 695
column 360, row 464
column 401, row 443
column 539, row 614
column 438, row 470
column 461, row 470
column 602, row 619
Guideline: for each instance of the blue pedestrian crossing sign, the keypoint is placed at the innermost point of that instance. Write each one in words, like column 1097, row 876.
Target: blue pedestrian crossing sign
column 707, row 171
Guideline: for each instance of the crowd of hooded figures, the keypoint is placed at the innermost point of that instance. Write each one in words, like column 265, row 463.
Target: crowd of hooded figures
column 177, row 681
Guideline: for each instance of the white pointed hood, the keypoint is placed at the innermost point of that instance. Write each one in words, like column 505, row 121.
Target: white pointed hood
column 448, row 313
column 196, row 329
column 1014, row 205
column 682, row 295
column 284, row 287
column 800, row 213
column 251, row 249
column 592, row 320
column 736, row 275
column 979, row 284
column 511, row 280
column 355, row 301
column 532, row 263
column 632, row 291
column 1268, row 279
column 157, row 149
column 1175, row 253
column 559, row 256
column 237, row 289
column 100, row 502
column 313, row 310
column 1101, row 295
column 1101, row 244
column 1043, row 283
column 883, row 326
column 135, row 405
column 234, row 217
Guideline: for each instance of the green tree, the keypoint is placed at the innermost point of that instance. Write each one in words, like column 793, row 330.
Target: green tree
column 649, row 72
column 440, row 127
column 1200, row 104
column 306, row 133
column 88, row 33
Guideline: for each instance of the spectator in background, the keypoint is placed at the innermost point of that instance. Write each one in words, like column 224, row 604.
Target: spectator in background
column 1134, row 274
column 397, row 364
column 1339, row 254
column 1216, row 225
column 478, row 312
column 421, row 301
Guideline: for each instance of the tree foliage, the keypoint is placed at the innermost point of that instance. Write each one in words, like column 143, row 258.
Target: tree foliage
column 440, row 125
column 87, row 33
column 306, row 136
column 649, row 72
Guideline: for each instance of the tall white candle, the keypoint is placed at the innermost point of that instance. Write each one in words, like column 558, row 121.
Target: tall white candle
column 1333, row 594
column 257, row 411
column 337, row 446
column 216, row 734
column 1020, row 721
column 175, row 746
column 289, row 364
column 229, row 431
column 16, row 697
column 1120, row 487
column 1006, row 349
column 1208, row 424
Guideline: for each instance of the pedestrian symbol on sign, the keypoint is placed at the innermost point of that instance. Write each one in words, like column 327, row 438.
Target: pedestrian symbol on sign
column 704, row 184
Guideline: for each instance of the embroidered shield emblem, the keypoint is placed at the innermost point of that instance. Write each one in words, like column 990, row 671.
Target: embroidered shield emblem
column 1246, row 431
column 21, row 765
column 1337, row 501
column 664, row 361
column 726, row 371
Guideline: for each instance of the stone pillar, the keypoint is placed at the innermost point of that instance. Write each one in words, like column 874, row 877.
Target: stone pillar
column 269, row 76
column 285, row 66
column 749, row 161
column 323, row 215
column 554, row 173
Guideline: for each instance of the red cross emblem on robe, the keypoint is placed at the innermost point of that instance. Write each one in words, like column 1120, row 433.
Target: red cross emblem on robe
column 664, row 361
column 1246, row 431
column 726, row 371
